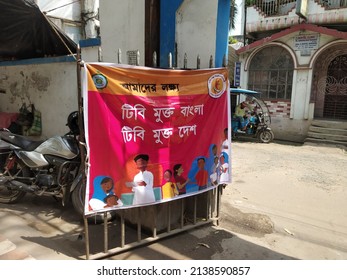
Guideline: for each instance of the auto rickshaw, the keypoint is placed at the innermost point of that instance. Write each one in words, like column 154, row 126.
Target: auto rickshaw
column 258, row 120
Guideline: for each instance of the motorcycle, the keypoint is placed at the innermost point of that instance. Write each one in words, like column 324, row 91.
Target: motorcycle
column 50, row 167
column 258, row 121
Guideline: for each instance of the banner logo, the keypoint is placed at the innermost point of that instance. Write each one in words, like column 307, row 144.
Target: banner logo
column 100, row 81
column 216, row 85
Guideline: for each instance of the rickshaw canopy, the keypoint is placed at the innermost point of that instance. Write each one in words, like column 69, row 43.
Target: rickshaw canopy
column 243, row 91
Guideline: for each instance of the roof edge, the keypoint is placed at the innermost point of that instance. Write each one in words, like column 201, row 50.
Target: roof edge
column 292, row 29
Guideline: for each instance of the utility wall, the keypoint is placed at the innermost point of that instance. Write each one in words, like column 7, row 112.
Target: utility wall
column 122, row 27
column 196, row 31
column 192, row 27
column 51, row 87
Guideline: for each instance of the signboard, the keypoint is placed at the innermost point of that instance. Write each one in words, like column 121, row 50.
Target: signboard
column 153, row 135
column 306, row 42
column 237, row 74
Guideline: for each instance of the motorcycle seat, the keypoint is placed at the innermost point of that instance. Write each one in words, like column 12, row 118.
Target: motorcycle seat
column 20, row 141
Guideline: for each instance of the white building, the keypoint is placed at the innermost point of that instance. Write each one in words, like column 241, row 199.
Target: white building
column 297, row 57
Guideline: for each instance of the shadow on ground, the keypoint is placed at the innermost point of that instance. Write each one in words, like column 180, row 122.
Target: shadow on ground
column 203, row 243
column 61, row 230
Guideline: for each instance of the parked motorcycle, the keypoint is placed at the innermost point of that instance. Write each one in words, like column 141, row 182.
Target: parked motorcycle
column 258, row 121
column 44, row 168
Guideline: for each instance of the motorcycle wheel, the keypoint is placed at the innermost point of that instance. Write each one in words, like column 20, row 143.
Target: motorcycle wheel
column 7, row 195
column 78, row 198
column 265, row 136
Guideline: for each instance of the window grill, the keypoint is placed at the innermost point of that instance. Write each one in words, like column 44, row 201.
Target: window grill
column 271, row 72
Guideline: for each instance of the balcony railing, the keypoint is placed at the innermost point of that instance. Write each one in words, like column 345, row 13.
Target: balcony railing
column 333, row 4
column 283, row 7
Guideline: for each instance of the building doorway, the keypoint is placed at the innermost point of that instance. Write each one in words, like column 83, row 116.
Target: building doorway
column 329, row 90
column 335, row 101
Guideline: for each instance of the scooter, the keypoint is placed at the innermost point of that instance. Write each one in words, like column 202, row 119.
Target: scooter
column 258, row 124
column 43, row 168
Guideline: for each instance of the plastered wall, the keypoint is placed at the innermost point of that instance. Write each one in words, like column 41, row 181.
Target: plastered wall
column 51, row 87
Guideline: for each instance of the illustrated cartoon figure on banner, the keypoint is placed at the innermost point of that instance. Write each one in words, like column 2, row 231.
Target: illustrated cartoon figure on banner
column 169, row 189
column 142, row 185
column 212, row 154
column 180, row 180
column 215, row 172
column 201, row 176
column 224, row 169
column 112, row 200
column 103, row 187
column 226, row 148
column 226, row 143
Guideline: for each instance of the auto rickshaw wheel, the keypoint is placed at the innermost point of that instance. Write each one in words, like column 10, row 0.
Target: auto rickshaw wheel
column 265, row 136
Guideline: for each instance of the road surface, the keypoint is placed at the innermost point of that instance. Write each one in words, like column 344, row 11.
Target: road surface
column 286, row 201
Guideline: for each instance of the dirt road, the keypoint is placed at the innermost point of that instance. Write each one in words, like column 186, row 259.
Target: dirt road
column 286, row 201
column 289, row 198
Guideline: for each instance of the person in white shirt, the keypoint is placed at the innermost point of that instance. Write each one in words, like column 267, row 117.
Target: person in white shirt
column 226, row 143
column 224, row 170
column 143, row 182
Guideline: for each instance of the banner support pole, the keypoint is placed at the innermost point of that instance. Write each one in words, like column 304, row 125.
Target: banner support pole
column 81, row 139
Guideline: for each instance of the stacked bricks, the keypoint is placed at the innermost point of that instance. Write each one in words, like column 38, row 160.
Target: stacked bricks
column 279, row 108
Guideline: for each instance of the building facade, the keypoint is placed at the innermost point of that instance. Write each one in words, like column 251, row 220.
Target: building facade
column 180, row 28
column 297, row 57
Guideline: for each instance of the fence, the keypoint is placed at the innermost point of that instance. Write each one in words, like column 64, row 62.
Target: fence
column 133, row 58
column 282, row 7
column 134, row 227
column 121, row 234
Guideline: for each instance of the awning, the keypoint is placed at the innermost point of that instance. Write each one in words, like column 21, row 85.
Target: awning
column 27, row 33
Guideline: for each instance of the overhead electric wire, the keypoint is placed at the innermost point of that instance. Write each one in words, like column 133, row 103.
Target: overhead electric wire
column 60, row 7
column 55, row 30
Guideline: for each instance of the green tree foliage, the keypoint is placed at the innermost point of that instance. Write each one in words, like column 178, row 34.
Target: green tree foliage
column 250, row 3
column 233, row 14
column 232, row 40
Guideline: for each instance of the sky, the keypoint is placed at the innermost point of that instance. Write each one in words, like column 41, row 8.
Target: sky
column 238, row 23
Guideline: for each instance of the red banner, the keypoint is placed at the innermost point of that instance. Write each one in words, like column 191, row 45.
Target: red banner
column 154, row 135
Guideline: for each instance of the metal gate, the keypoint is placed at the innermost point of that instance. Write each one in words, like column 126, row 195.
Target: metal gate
column 335, row 101
column 120, row 235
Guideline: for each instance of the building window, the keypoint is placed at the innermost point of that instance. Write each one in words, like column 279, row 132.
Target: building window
column 271, row 73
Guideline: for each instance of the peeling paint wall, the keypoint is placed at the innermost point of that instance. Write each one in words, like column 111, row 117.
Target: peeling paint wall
column 52, row 88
